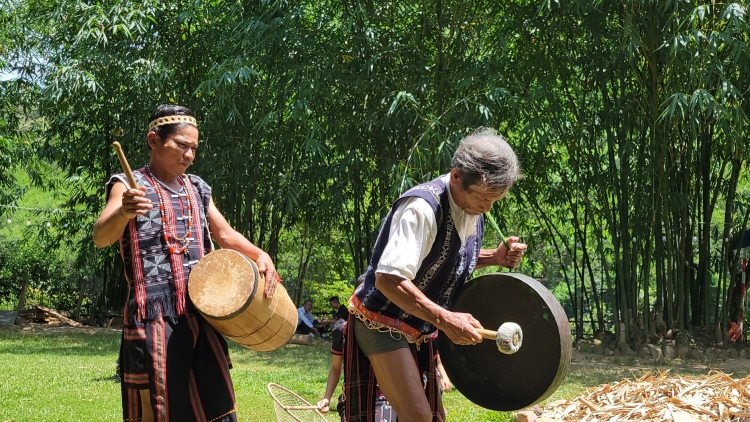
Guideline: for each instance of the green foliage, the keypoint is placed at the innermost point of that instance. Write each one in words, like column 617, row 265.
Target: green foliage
column 630, row 121
column 29, row 248
column 49, row 277
column 324, row 290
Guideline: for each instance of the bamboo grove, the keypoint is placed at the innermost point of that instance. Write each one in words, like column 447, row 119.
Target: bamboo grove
column 630, row 119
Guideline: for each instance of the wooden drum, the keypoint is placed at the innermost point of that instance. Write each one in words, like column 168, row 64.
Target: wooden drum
column 227, row 290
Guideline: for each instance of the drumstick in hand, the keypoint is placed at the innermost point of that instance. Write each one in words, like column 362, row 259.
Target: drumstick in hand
column 125, row 165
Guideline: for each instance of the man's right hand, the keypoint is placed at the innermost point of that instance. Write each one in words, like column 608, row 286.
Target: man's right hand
column 134, row 202
column 460, row 328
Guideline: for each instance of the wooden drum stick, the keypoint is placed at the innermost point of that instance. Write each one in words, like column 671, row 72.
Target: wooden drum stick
column 488, row 334
column 125, row 165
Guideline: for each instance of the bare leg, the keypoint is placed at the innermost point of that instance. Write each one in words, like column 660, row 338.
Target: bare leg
column 440, row 408
column 148, row 414
column 399, row 380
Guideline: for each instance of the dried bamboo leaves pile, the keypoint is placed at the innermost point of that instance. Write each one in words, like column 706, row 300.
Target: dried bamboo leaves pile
column 713, row 397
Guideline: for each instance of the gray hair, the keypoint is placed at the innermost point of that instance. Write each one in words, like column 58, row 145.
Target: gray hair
column 485, row 157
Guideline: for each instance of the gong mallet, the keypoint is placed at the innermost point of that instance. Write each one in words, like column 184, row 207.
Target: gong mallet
column 125, row 165
column 508, row 337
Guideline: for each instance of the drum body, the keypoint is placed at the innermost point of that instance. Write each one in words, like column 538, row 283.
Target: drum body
column 227, row 289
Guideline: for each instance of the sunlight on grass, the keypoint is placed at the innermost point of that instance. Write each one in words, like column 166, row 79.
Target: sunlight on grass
column 69, row 377
column 58, row 378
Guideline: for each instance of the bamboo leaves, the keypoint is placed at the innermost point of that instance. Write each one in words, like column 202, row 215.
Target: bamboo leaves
column 630, row 120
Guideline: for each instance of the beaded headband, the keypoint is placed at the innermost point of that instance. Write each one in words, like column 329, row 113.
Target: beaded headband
column 170, row 120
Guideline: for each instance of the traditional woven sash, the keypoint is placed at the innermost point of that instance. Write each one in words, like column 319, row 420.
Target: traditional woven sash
column 167, row 210
column 440, row 277
column 157, row 275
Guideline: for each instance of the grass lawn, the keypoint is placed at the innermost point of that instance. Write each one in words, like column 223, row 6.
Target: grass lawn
column 69, row 377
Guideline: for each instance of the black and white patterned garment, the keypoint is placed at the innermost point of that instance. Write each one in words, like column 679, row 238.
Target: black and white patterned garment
column 177, row 356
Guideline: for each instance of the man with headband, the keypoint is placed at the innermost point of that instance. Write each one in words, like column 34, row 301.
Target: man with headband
column 175, row 366
column 428, row 246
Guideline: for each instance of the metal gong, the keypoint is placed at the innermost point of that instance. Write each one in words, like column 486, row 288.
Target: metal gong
column 503, row 382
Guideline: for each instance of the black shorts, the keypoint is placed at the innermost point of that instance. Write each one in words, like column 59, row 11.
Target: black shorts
column 337, row 348
column 337, row 335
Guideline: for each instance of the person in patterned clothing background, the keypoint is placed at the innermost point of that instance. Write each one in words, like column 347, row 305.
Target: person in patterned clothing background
column 175, row 366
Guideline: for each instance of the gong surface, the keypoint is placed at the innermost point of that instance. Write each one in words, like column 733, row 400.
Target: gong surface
column 503, row 382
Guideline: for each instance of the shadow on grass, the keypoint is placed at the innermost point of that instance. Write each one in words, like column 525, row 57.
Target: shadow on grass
column 101, row 344
column 60, row 344
column 288, row 356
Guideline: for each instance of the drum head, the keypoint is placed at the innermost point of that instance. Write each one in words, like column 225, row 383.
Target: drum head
column 503, row 382
column 224, row 283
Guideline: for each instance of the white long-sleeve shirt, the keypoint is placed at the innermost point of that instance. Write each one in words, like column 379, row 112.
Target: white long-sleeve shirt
column 412, row 234
column 306, row 317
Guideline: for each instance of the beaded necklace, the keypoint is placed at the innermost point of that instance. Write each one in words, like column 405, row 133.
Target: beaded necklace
column 180, row 244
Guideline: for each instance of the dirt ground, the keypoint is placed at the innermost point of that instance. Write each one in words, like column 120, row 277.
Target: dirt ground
column 740, row 368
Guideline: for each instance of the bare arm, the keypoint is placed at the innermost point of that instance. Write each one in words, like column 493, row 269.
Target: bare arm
column 123, row 205
column 228, row 238
column 334, row 374
column 459, row 327
column 502, row 256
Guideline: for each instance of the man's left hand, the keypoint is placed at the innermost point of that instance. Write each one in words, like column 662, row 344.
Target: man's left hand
column 510, row 258
column 265, row 266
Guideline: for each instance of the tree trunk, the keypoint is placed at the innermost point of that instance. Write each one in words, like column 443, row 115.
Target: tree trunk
column 22, row 294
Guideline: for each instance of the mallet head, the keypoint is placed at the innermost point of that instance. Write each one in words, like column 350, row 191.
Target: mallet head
column 509, row 338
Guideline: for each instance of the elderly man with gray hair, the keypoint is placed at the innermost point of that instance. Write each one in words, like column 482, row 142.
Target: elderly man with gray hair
column 427, row 249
